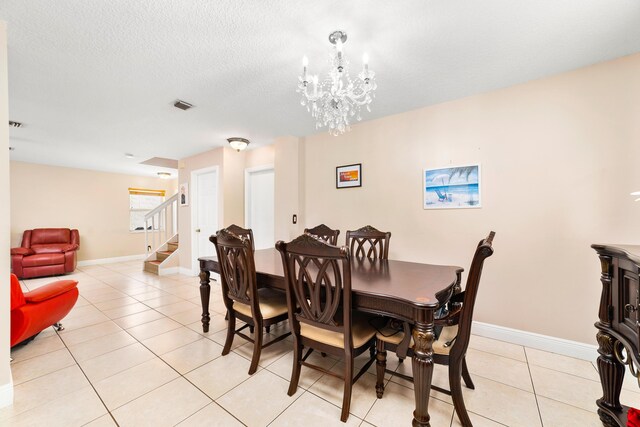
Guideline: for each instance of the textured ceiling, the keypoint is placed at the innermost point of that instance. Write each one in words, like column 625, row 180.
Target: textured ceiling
column 94, row 79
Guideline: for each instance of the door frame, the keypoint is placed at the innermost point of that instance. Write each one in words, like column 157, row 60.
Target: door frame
column 195, row 265
column 247, row 193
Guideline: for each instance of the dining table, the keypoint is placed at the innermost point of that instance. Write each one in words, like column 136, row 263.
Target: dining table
column 407, row 291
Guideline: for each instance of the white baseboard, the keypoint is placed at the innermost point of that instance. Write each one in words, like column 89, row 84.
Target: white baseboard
column 6, row 393
column 186, row 271
column 110, row 260
column 538, row 341
column 167, row 271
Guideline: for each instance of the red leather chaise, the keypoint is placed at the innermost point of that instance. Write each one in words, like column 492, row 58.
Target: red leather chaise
column 42, row 307
column 45, row 252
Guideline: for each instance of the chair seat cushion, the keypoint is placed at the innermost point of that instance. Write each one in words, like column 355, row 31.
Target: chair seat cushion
column 43, row 259
column 272, row 304
column 51, row 248
column 447, row 335
column 361, row 330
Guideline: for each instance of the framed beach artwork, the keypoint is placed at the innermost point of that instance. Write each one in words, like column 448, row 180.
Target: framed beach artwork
column 453, row 187
column 183, row 198
column 348, row 176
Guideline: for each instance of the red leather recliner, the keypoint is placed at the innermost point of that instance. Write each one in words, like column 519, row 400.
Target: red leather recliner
column 45, row 252
column 42, row 307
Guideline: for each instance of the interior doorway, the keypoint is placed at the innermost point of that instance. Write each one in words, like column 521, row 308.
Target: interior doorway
column 204, row 213
column 259, row 206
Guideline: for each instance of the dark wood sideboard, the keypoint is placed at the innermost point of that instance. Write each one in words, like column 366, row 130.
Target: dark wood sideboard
column 617, row 326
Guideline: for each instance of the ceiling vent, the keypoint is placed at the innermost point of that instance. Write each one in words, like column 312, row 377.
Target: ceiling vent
column 182, row 105
column 15, row 124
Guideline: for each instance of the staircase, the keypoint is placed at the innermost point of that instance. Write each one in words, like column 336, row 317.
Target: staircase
column 153, row 265
column 161, row 238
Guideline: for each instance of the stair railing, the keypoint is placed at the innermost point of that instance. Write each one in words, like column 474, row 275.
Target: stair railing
column 161, row 224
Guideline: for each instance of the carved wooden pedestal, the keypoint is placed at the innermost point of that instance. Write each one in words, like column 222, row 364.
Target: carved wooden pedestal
column 617, row 326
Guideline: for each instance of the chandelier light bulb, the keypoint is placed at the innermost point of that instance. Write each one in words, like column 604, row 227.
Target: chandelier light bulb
column 305, row 61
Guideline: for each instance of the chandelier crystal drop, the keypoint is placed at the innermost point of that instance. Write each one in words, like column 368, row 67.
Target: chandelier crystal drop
column 336, row 101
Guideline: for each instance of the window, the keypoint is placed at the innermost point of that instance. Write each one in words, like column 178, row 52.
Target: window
column 141, row 202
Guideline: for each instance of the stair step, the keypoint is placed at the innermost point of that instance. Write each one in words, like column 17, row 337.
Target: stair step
column 162, row 255
column 151, row 266
column 172, row 246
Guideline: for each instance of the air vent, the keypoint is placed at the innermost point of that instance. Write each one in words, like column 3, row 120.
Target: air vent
column 182, row 105
column 15, row 124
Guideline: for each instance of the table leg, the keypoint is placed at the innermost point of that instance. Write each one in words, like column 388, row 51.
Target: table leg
column 205, row 290
column 422, row 363
column 611, row 376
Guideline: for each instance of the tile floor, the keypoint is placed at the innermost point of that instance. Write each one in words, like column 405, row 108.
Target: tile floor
column 133, row 354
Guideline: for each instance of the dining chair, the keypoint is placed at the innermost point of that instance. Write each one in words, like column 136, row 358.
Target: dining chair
column 325, row 233
column 257, row 308
column 242, row 232
column 451, row 346
column 368, row 242
column 318, row 281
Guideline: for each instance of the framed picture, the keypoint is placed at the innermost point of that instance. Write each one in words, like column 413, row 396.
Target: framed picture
column 453, row 187
column 183, row 198
column 348, row 176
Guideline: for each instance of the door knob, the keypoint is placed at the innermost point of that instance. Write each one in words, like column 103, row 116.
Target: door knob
column 197, row 230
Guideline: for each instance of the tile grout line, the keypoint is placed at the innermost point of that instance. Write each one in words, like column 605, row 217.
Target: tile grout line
column 535, row 395
column 156, row 355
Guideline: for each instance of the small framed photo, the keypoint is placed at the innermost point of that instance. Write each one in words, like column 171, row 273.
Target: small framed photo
column 184, row 194
column 348, row 176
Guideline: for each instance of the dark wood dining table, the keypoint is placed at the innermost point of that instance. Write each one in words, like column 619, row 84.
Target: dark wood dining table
column 407, row 291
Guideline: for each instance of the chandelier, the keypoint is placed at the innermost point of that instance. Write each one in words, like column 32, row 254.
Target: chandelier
column 335, row 101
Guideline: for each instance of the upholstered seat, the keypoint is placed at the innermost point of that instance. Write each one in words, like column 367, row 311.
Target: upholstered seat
column 440, row 346
column 40, row 308
column 361, row 331
column 272, row 304
column 45, row 252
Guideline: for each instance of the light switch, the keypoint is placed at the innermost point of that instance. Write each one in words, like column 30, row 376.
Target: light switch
column 295, row 219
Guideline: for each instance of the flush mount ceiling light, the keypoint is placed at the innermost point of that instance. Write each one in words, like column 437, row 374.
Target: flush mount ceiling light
column 238, row 144
column 336, row 100
column 164, row 175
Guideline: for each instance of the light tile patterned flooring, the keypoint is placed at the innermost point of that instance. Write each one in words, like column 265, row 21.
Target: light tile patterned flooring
column 133, row 354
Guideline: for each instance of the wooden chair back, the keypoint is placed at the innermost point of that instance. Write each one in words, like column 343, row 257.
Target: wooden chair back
column 242, row 232
column 368, row 242
column 318, row 278
column 325, row 233
column 483, row 251
column 237, row 269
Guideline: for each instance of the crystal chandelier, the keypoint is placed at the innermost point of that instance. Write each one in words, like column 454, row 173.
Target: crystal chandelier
column 335, row 101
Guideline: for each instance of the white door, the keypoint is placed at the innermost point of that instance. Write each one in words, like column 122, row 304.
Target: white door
column 204, row 212
column 259, row 205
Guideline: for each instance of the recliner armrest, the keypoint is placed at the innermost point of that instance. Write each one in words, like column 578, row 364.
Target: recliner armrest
column 22, row 251
column 50, row 290
column 69, row 247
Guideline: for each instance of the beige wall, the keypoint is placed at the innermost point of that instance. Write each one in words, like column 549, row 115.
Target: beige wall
column 6, row 392
column 96, row 203
column 289, row 187
column 558, row 160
